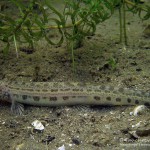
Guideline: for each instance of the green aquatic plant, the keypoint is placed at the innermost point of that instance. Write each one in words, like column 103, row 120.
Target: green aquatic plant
column 134, row 7
column 112, row 63
column 90, row 13
column 29, row 26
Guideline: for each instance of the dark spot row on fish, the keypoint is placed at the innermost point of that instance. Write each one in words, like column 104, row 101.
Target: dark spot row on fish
column 36, row 98
column 89, row 90
column 65, row 97
column 128, row 100
column 97, row 98
column 24, row 97
column 118, row 100
column 67, row 89
column 56, row 84
column 108, row 98
column 53, row 98
column 97, row 90
column 54, row 90
column 77, row 90
column 44, row 90
column 107, row 88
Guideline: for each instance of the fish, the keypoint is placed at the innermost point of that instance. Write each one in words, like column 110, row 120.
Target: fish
column 55, row 94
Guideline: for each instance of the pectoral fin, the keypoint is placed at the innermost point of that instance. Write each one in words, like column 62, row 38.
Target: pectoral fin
column 17, row 108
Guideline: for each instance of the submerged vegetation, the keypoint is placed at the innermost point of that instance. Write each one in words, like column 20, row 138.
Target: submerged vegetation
column 80, row 16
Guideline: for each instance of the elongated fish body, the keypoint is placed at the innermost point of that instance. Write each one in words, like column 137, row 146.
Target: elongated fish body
column 60, row 93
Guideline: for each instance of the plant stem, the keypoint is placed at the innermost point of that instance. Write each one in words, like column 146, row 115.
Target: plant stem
column 120, row 21
column 14, row 37
column 124, row 23
column 72, row 55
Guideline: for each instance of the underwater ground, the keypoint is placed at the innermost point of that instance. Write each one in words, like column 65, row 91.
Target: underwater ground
column 81, row 128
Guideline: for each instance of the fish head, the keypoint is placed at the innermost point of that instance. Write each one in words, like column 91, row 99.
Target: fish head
column 4, row 92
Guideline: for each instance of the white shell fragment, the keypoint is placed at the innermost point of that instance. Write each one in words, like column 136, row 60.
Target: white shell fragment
column 138, row 110
column 61, row 148
column 38, row 125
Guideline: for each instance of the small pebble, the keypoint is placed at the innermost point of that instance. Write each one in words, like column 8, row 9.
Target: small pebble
column 76, row 141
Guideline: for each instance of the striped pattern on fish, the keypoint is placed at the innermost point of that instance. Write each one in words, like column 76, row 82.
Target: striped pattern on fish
column 60, row 93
